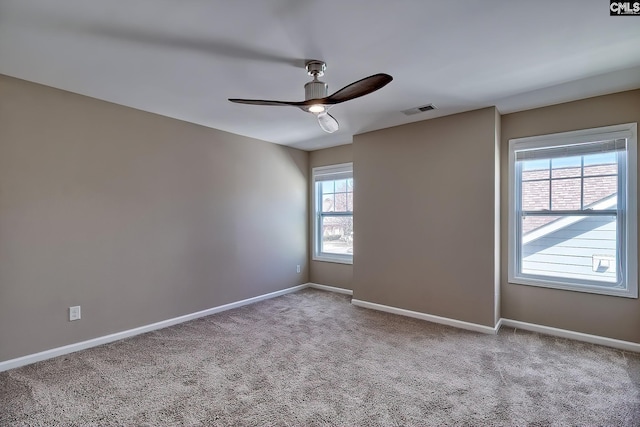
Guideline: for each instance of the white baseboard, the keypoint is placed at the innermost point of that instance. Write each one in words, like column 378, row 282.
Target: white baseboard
column 71, row 348
column 428, row 317
column 547, row 330
column 578, row 336
column 330, row 288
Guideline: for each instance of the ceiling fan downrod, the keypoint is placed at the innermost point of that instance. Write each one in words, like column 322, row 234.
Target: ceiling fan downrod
column 315, row 89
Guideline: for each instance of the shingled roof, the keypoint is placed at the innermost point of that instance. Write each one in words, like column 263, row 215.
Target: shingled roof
column 561, row 191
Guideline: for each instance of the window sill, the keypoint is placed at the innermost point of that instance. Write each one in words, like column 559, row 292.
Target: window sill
column 333, row 260
column 600, row 290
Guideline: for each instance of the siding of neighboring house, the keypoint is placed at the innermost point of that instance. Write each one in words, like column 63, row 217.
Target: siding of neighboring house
column 583, row 250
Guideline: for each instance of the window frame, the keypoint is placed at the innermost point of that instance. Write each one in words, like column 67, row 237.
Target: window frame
column 338, row 169
column 626, row 214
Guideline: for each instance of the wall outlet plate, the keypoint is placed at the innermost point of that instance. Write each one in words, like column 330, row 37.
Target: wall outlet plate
column 74, row 313
column 298, row 269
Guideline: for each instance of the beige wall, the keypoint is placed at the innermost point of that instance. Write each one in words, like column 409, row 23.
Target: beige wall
column 607, row 316
column 425, row 216
column 139, row 218
column 136, row 217
column 329, row 273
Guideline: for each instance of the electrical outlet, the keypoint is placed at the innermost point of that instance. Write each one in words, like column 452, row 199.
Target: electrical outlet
column 298, row 269
column 74, row 313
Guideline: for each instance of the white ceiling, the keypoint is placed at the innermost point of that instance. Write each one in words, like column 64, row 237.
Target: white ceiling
column 184, row 58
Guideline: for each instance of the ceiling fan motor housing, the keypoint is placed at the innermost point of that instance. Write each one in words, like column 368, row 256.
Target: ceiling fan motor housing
column 315, row 89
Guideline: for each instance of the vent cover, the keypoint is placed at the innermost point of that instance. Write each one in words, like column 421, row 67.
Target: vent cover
column 421, row 109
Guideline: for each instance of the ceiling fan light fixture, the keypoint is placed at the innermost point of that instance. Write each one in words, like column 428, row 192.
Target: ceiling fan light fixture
column 327, row 122
column 316, row 108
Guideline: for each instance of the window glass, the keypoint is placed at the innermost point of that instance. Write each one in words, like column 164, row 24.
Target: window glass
column 572, row 224
column 333, row 229
column 337, row 235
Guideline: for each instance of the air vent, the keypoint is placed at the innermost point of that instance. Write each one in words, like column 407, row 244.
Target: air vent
column 422, row 109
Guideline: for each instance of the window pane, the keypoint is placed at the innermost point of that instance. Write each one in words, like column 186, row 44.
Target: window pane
column 337, row 235
column 566, row 167
column 566, row 162
column 350, row 184
column 535, row 195
column 333, row 199
column 573, row 247
column 566, row 172
column 535, row 174
column 600, row 169
column 341, row 202
column 580, row 243
column 327, row 187
column 565, row 194
column 533, row 223
column 536, row 166
column 598, row 189
column 328, row 203
column 600, row 159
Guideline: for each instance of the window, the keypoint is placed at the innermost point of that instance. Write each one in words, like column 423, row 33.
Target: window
column 333, row 207
column 572, row 211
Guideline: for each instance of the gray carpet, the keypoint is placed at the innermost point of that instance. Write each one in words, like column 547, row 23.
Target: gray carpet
column 310, row 358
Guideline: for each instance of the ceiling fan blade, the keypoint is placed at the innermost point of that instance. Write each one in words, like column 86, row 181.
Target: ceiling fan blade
column 265, row 102
column 328, row 123
column 359, row 88
column 210, row 46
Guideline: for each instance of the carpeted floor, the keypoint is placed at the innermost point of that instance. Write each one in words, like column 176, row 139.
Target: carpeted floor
column 310, row 358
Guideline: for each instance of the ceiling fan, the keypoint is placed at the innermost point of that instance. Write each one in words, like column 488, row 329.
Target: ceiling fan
column 318, row 102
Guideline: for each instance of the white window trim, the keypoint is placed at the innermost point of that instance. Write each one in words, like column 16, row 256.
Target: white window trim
column 316, row 254
column 628, row 131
